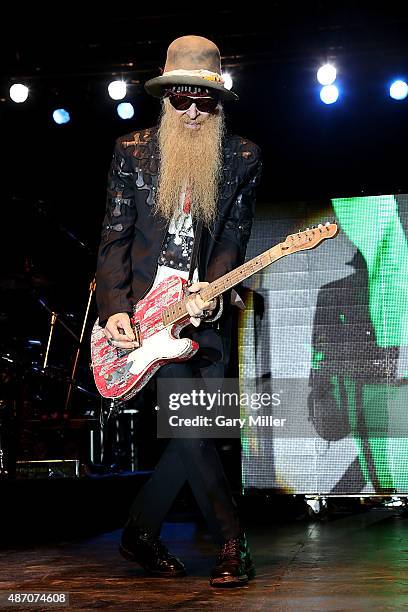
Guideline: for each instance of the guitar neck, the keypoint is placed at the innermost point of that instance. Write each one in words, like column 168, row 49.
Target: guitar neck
column 233, row 278
column 178, row 311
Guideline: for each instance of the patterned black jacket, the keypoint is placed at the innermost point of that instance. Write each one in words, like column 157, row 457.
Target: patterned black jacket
column 132, row 236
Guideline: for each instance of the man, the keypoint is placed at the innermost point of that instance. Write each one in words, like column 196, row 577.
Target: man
column 164, row 184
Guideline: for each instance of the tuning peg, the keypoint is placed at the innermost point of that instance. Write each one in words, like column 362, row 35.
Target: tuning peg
column 320, row 226
column 327, row 224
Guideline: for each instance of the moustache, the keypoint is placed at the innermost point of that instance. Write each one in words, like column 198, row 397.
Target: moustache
column 198, row 120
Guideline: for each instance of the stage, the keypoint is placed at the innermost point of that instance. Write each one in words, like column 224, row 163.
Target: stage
column 308, row 408
column 349, row 562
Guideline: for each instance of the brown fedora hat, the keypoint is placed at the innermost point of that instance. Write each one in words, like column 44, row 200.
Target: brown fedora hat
column 191, row 60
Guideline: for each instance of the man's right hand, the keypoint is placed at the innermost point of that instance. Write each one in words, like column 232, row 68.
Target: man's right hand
column 119, row 331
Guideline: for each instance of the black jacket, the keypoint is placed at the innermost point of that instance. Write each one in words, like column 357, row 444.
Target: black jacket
column 132, row 236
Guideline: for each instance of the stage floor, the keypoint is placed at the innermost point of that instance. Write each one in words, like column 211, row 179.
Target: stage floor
column 356, row 562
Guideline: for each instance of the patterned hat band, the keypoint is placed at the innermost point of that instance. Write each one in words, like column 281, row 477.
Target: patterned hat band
column 190, row 91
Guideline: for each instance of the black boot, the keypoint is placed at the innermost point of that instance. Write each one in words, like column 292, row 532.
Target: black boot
column 234, row 566
column 149, row 551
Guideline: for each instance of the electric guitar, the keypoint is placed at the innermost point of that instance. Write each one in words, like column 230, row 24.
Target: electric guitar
column 161, row 314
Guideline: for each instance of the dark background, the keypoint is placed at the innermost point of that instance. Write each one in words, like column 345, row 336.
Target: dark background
column 53, row 177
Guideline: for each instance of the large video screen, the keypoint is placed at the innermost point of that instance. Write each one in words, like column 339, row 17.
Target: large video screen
column 326, row 331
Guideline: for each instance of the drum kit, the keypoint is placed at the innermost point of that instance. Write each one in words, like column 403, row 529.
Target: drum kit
column 42, row 378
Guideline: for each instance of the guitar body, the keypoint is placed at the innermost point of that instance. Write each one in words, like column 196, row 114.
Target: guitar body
column 120, row 374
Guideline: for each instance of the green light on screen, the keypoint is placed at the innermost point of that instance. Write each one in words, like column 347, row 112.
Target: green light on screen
column 373, row 225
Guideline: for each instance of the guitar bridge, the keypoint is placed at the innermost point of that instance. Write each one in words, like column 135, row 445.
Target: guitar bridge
column 121, row 352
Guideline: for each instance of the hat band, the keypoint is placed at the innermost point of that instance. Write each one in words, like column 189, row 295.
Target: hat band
column 204, row 74
column 189, row 90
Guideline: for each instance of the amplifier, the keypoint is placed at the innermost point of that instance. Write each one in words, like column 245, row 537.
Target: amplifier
column 48, row 468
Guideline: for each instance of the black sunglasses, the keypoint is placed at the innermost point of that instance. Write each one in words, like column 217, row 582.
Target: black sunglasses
column 183, row 103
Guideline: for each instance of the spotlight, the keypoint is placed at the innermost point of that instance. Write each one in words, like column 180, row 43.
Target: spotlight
column 399, row 90
column 227, row 80
column 61, row 116
column 329, row 94
column 19, row 92
column 117, row 90
column 326, row 75
column 125, row 110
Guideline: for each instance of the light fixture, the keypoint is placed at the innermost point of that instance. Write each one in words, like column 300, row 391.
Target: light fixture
column 399, row 90
column 125, row 110
column 326, row 75
column 61, row 116
column 19, row 92
column 227, row 80
column 117, row 90
column 329, row 94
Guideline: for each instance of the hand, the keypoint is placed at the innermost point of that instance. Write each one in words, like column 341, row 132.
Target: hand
column 119, row 332
column 195, row 305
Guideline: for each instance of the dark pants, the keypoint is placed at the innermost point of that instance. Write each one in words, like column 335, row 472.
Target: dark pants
column 188, row 459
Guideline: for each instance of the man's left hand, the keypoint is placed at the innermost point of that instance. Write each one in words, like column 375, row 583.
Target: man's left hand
column 195, row 305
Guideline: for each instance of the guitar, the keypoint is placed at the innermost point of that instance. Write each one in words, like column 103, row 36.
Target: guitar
column 160, row 316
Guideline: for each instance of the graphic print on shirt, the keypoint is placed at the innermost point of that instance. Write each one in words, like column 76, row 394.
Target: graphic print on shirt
column 178, row 245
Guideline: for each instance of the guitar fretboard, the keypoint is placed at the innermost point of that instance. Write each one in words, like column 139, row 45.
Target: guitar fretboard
column 178, row 310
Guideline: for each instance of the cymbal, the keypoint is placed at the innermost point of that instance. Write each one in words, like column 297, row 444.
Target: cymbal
column 17, row 282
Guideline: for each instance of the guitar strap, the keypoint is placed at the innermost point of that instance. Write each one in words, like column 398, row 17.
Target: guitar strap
column 194, row 253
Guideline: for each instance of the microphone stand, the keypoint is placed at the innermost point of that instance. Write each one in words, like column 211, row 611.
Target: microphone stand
column 92, row 287
column 54, row 320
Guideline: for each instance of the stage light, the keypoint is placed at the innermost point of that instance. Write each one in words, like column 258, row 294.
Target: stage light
column 326, row 75
column 227, row 80
column 61, row 116
column 19, row 92
column 125, row 110
column 399, row 90
column 117, row 90
column 329, row 94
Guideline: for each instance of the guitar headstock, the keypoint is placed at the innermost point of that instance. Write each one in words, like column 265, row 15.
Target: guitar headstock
column 311, row 237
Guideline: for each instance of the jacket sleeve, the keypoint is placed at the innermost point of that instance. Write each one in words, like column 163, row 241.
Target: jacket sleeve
column 113, row 270
column 230, row 249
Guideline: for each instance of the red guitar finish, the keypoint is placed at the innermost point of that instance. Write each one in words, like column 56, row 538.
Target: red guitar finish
column 120, row 373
